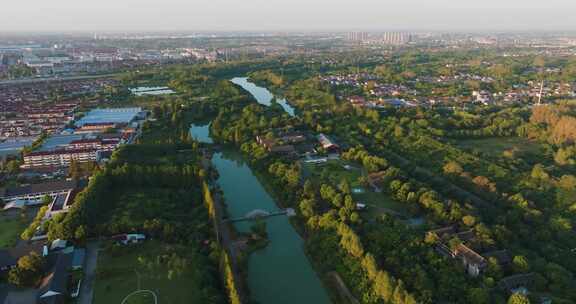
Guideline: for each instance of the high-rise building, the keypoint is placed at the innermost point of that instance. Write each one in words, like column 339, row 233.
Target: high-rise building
column 357, row 36
column 395, row 38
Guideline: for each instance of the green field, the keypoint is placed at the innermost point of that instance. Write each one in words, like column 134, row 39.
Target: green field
column 495, row 146
column 161, row 268
column 334, row 171
column 380, row 203
column 10, row 229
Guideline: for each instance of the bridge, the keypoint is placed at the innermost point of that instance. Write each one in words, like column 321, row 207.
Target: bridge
column 262, row 214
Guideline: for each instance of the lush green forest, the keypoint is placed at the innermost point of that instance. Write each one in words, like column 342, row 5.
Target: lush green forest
column 502, row 176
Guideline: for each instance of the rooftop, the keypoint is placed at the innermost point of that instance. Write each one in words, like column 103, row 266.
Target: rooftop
column 59, row 185
column 109, row 115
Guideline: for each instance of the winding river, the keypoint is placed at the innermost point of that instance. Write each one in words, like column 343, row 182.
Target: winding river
column 280, row 273
column 262, row 95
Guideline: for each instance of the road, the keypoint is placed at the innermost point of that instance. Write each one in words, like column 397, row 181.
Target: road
column 223, row 232
column 342, row 288
column 34, row 80
column 87, row 288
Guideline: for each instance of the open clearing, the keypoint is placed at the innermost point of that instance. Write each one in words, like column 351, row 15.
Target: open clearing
column 495, row 146
column 10, row 230
column 158, row 269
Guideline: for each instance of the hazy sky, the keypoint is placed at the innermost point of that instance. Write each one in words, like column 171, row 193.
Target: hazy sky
column 262, row 15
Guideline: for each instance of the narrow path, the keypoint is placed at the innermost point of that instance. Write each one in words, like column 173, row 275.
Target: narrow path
column 342, row 288
column 223, row 233
column 87, row 288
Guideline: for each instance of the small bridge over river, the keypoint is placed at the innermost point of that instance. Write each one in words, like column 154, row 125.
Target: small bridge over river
column 262, row 214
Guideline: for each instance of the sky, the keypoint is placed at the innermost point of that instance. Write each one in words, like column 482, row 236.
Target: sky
column 286, row 15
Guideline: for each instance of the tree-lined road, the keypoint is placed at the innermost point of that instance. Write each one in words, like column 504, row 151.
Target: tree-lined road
column 87, row 288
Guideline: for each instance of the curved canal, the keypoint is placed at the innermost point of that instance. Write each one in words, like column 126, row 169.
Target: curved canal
column 262, row 95
column 280, row 273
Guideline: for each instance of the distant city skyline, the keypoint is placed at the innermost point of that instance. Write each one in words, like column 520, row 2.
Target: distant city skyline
column 288, row 15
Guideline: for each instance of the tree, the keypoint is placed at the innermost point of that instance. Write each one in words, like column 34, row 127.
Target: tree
column 399, row 293
column 478, row 296
column 344, row 186
column 307, row 207
column 309, row 190
column 384, row 285
column 517, row 298
column 80, row 233
column 13, row 166
column 520, row 264
column 484, row 183
column 469, row 220
column 28, row 271
column 453, row 168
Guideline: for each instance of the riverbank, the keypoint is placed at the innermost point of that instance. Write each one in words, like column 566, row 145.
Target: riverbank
column 336, row 289
column 264, row 97
column 283, row 261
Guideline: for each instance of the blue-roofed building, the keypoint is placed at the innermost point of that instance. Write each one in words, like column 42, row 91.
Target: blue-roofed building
column 110, row 115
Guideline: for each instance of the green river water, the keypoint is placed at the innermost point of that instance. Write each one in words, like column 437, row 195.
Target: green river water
column 280, row 273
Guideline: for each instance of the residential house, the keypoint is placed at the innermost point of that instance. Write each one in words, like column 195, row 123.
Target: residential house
column 58, row 158
column 473, row 262
column 272, row 146
column 108, row 144
column 95, row 127
column 9, row 257
column 54, row 287
column 38, row 191
column 327, row 143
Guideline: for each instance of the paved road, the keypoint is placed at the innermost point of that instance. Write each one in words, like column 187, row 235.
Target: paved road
column 87, row 288
column 34, row 80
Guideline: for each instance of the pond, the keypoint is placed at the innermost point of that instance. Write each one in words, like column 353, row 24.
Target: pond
column 201, row 133
column 262, row 95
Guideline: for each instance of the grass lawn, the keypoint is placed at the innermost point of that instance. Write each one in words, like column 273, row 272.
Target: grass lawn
column 375, row 201
column 141, row 298
column 334, row 170
column 10, row 230
column 497, row 145
column 173, row 282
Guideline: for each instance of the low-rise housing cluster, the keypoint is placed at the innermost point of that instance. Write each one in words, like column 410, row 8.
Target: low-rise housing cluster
column 379, row 94
column 295, row 144
column 103, row 131
column 34, row 120
column 460, row 245
column 15, row 97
